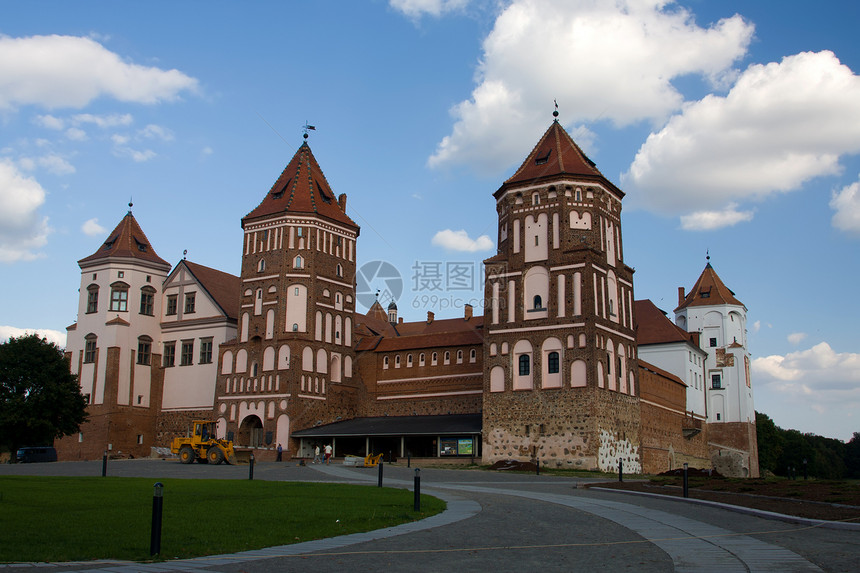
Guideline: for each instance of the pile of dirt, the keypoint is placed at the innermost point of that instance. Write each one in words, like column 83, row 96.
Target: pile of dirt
column 515, row 465
column 814, row 499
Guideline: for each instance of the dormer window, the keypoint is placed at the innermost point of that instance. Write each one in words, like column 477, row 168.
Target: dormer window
column 323, row 194
column 542, row 159
column 140, row 246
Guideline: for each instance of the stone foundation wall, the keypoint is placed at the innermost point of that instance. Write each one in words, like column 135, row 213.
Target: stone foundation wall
column 582, row 428
column 174, row 424
column 733, row 448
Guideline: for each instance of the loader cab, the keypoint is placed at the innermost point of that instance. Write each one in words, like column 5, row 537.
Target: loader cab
column 204, row 430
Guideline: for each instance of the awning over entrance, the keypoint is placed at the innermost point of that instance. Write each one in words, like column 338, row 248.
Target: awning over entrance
column 397, row 426
column 451, row 435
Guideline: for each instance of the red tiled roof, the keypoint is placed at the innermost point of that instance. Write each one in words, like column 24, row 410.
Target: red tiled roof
column 302, row 188
column 437, row 340
column 556, row 154
column 224, row 288
column 654, row 327
column 127, row 240
column 709, row 290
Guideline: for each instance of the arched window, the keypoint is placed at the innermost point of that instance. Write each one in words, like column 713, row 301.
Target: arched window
column 421, row 359
column 434, row 359
column 147, row 301
column 385, row 362
column 298, row 262
column 295, row 327
column 552, row 363
column 119, row 297
column 261, row 265
column 524, row 365
column 90, row 346
column 409, row 361
column 339, row 271
column 92, row 298
column 473, row 355
column 537, row 302
column 459, row 357
column 397, row 361
column 447, row 357
column 144, row 350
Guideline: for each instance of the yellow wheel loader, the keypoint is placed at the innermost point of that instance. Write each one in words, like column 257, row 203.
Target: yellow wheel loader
column 203, row 446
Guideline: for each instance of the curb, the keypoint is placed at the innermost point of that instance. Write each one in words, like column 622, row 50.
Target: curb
column 824, row 524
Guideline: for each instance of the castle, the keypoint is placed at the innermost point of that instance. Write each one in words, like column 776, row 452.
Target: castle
column 565, row 368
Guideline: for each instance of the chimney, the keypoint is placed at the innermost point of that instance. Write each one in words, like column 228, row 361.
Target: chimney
column 399, row 320
column 468, row 309
column 681, row 296
column 430, row 317
column 341, row 200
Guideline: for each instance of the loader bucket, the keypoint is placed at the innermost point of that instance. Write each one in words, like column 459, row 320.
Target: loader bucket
column 230, row 456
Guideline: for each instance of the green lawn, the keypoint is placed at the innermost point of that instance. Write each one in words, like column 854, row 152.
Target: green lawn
column 72, row 519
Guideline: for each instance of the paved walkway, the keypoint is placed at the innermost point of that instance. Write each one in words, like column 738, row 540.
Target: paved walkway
column 503, row 522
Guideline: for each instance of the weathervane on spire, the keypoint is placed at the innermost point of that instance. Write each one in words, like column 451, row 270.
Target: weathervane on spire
column 308, row 127
column 130, row 205
column 555, row 113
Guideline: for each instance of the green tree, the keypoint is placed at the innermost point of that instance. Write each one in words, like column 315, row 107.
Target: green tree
column 770, row 443
column 40, row 399
column 852, row 456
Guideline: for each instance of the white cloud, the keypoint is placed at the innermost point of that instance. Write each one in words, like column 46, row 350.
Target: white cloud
column 417, row 8
column 55, row 164
column 819, row 375
column 103, row 121
column 153, row 131
column 601, row 59
column 756, row 326
column 779, row 126
column 460, row 241
column 134, row 154
column 70, row 71
column 711, row 220
column 796, row 338
column 22, row 229
column 92, row 228
column 58, row 338
column 49, row 122
column 76, row 134
column 846, row 203
column 119, row 139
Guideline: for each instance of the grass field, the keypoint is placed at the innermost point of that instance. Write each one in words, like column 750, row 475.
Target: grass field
column 73, row 519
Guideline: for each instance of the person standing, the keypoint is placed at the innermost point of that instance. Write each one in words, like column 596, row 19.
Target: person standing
column 317, row 458
column 327, row 453
column 280, row 453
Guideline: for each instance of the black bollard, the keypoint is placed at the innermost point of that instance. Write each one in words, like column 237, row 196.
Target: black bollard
column 251, row 467
column 620, row 470
column 409, row 460
column 417, row 489
column 379, row 479
column 155, row 534
column 686, row 482
column 104, row 464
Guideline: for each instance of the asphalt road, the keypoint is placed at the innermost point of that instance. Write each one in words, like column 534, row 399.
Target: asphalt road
column 499, row 522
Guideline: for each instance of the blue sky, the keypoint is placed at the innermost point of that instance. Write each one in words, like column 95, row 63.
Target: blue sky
column 733, row 128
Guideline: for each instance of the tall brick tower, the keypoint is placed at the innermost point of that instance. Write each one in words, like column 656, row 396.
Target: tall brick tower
column 560, row 374
column 292, row 364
